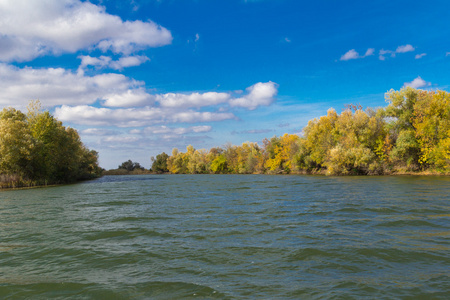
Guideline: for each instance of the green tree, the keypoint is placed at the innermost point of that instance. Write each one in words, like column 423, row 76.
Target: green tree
column 400, row 115
column 130, row 166
column 16, row 143
column 159, row 164
column 39, row 148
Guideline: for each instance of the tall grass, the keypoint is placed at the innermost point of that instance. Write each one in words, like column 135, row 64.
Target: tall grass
column 8, row 181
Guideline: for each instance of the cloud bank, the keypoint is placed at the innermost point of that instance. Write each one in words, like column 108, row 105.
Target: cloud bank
column 166, row 108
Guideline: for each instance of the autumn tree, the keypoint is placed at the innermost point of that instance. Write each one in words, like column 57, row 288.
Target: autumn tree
column 355, row 134
column 319, row 138
column 431, row 121
column 281, row 153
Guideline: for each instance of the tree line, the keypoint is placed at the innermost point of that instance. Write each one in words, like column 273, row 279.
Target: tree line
column 410, row 134
column 36, row 149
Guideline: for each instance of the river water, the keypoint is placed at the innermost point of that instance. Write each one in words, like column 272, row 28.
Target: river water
column 228, row 237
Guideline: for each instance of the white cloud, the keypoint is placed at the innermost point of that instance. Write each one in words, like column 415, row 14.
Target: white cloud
column 133, row 117
column 32, row 28
column 126, row 102
column 121, row 139
column 89, row 115
column 383, row 52
column 107, row 62
column 98, row 62
column 417, row 83
column 196, row 116
column 259, row 94
column 447, row 54
column 57, row 86
column 192, row 100
column 129, row 98
column 404, row 49
column 176, row 131
column 400, row 49
column 351, row 54
column 197, row 37
column 98, row 132
column 419, row 56
column 128, row 61
column 369, row 52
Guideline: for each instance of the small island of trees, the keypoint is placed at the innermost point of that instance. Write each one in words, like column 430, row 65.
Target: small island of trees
column 410, row 135
column 36, row 149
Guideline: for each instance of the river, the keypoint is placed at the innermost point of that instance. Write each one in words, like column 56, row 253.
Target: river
column 228, row 237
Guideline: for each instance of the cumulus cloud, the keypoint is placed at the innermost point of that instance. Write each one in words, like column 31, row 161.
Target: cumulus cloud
column 176, row 131
column 133, row 117
column 192, row 100
column 417, row 83
column 57, row 86
column 191, row 116
column 32, row 28
column 369, row 52
column 122, row 139
column 404, row 49
column 352, row 54
column 124, row 102
column 383, row 52
column 107, row 62
column 173, row 108
column 400, row 49
column 98, row 132
column 128, row 61
column 98, row 62
column 129, row 98
column 419, row 56
column 259, row 94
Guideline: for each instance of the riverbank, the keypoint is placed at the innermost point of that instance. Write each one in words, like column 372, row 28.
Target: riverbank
column 22, row 184
column 314, row 173
column 126, row 172
column 28, row 184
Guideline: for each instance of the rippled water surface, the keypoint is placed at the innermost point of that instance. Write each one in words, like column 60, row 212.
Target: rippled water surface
column 228, row 237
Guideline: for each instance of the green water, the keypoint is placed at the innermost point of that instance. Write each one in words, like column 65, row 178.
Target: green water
column 228, row 237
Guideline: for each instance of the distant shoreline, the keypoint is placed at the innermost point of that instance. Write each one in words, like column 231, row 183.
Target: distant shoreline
column 397, row 174
column 290, row 174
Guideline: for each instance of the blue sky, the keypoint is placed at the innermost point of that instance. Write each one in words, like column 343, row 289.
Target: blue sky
column 137, row 78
